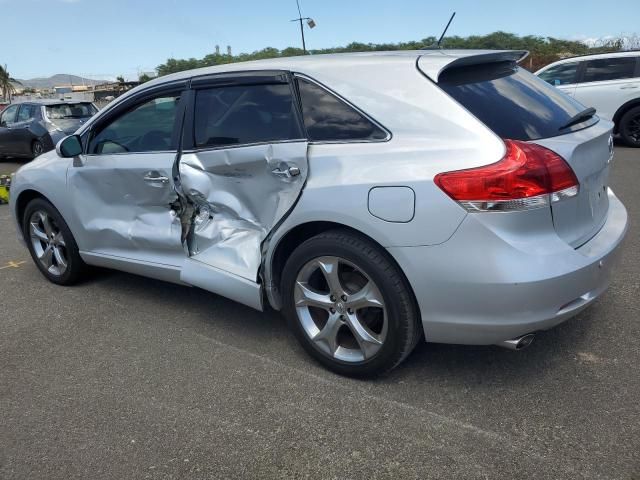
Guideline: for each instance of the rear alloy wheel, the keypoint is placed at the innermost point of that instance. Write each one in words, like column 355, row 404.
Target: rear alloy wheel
column 630, row 127
column 51, row 244
column 37, row 148
column 341, row 309
column 349, row 305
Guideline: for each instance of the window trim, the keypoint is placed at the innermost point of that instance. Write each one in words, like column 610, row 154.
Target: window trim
column 349, row 104
column 129, row 105
column 228, row 79
column 583, row 70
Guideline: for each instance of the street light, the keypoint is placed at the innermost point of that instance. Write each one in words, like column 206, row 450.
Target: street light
column 310, row 23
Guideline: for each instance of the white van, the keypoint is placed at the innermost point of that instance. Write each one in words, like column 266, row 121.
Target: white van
column 608, row 82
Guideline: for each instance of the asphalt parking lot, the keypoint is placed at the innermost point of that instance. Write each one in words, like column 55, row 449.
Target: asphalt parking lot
column 124, row 377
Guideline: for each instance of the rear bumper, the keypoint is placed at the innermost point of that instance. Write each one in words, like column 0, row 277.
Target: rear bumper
column 482, row 286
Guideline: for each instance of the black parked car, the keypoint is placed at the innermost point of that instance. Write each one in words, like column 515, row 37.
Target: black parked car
column 31, row 128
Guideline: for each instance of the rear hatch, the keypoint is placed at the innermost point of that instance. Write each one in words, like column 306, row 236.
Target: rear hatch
column 517, row 105
column 68, row 117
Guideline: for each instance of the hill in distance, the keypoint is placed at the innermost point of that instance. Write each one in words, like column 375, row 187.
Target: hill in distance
column 59, row 79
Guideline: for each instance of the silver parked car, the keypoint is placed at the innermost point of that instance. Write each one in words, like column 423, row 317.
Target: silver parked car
column 376, row 199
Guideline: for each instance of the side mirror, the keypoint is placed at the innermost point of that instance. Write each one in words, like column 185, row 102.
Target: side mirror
column 69, row 147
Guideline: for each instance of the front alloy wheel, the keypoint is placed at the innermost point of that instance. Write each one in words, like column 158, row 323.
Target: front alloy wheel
column 48, row 243
column 51, row 244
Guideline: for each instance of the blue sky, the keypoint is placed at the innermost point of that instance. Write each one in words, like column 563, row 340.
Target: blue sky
column 105, row 38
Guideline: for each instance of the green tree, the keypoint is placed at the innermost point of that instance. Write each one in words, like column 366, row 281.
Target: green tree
column 543, row 50
column 6, row 83
column 144, row 78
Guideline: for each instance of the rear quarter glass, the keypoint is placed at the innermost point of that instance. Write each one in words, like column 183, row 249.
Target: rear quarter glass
column 512, row 102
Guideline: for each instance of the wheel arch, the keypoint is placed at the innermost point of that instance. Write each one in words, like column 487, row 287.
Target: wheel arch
column 298, row 235
column 23, row 200
column 624, row 108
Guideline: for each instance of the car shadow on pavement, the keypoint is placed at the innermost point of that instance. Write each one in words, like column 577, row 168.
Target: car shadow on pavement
column 266, row 334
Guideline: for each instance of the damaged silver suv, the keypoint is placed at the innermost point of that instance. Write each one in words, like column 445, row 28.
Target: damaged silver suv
column 376, row 199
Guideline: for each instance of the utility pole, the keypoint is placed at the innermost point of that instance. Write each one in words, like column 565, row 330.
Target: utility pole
column 310, row 23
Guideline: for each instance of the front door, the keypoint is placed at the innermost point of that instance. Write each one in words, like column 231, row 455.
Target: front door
column 123, row 186
column 7, row 121
column 243, row 167
column 22, row 138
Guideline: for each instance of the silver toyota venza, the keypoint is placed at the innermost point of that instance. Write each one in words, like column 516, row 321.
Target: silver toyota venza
column 376, row 199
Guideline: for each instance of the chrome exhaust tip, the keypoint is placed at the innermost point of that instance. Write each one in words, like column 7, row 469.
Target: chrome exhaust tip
column 518, row 343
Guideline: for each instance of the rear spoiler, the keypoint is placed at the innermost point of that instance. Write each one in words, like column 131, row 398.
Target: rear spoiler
column 435, row 62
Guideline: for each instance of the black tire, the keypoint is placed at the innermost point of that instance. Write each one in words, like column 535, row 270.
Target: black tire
column 37, row 148
column 75, row 266
column 404, row 329
column 629, row 127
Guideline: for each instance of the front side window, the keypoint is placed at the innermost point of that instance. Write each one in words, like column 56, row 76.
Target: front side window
column 9, row 115
column 147, row 127
column 327, row 118
column 563, row 74
column 609, row 69
column 26, row 113
column 245, row 114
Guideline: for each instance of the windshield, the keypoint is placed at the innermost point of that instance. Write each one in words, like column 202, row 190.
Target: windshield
column 71, row 110
column 512, row 102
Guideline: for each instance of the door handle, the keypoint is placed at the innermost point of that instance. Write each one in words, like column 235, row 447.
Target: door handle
column 289, row 172
column 627, row 87
column 155, row 178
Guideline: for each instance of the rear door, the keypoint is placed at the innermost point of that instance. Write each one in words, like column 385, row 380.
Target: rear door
column 562, row 76
column 243, row 166
column 608, row 83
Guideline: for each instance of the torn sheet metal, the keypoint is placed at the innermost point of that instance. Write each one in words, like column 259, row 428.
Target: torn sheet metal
column 240, row 194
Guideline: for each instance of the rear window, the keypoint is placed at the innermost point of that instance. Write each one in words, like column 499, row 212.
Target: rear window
column 71, row 110
column 512, row 102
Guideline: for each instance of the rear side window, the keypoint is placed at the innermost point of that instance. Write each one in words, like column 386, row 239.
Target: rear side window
column 327, row 118
column 245, row 114
column 512, row 102
column 609, row 69
column 560, row 74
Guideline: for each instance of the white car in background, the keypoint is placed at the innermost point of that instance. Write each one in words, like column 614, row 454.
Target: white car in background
column 608, row 82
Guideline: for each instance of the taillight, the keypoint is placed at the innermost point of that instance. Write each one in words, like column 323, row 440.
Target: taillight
column 528, row 176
